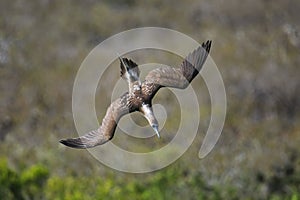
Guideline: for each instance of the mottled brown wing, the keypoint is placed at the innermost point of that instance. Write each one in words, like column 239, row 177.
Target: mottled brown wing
column 166, row 76
column 107, row 129
column 193, row 63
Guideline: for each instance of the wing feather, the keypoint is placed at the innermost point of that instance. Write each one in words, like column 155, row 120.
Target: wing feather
column 167, row 76
column 130, row 66
column 106, row 131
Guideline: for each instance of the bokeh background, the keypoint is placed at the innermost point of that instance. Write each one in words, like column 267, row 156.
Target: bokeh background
column 256, row 45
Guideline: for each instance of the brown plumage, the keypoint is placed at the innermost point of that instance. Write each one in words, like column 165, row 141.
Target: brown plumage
column 139, row 97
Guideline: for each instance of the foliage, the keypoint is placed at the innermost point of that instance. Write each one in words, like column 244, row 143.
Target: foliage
column 9, row 181
column 28, row 184
column 174, row 182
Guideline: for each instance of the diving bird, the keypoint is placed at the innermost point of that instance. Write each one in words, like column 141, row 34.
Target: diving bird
column 140, row 94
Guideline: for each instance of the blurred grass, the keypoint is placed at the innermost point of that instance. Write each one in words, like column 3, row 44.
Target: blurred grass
column 256, row 47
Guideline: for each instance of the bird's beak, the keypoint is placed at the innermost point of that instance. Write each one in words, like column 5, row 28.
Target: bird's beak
column 155, row 128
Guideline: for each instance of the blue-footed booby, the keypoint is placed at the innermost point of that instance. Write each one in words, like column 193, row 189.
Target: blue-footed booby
column 139, row 97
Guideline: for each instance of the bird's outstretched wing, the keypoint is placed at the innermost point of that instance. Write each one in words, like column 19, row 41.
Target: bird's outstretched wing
column 106, row 131
column 177, row 77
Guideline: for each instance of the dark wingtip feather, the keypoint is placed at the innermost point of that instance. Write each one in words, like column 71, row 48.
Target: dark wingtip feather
column 123, row 71
column 206, row 45
column 129, row 64
column 74, row 143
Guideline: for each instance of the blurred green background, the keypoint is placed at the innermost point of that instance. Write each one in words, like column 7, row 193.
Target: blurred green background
column 256, row 45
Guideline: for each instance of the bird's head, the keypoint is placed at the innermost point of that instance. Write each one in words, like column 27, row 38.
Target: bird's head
column 155, row 128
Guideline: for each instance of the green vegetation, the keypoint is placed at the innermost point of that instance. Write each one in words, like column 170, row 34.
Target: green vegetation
column 256, row 48
column 27, row 185
column 174, row 182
